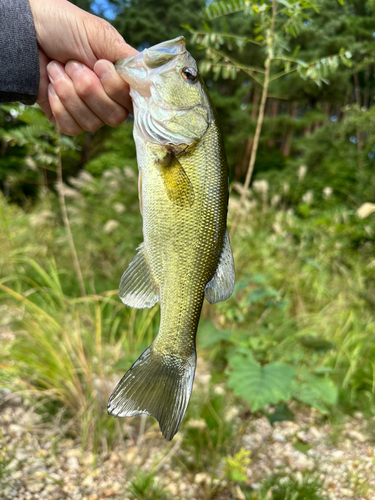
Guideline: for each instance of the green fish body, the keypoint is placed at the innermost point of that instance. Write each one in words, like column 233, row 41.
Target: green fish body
column 186, row 253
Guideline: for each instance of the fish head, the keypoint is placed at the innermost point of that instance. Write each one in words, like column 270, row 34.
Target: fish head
column 171, row 105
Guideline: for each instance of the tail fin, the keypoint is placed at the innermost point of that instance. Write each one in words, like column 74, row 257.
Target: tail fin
column 158, row 385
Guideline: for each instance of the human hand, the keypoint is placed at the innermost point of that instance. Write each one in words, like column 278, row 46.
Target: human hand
column 79, row 87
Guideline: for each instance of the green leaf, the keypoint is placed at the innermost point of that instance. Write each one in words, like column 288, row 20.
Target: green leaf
column 285, row 2
column 295, row 51
column 233, row 73
column 207, row 27
column 226, row 72
column 260, row 294
column 235, row 467
column 209, row 335
column 123, row 364
column 316, row 343
column 315, row 391
column 216, row 71
column 322, row 370
column 302, row 63
column 258, row 278
column 224, row 7
column 259, row 385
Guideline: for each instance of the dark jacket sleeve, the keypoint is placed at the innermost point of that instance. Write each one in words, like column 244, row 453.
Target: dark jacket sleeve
column 19, row 63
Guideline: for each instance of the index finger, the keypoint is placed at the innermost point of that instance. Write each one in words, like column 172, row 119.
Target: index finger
column 115, row 86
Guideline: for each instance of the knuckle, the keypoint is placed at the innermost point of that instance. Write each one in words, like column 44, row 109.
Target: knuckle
column 91, row 126
column 58, row 113
column 70, row 129
column 112, row 35
column 119, row 85
column 116, row 118
column 84, row 85
column 65, row 123
column 63, row 90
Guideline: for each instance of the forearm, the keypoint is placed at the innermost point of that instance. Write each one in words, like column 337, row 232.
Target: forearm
column 19, row 68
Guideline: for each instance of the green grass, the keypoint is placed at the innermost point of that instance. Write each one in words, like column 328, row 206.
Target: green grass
column 66, row 348
column 207, row 433
column 145, row 486
column 4, row 471
column 289, row 488
column 318, row 317
column 301, row 302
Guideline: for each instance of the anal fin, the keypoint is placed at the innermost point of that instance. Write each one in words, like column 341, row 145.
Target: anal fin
column 137, row 287
column 221, row 285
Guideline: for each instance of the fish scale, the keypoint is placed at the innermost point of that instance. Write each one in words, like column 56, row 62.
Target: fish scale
column 186, row 253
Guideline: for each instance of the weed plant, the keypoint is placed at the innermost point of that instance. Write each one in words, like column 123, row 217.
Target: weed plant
column 65, row 347
column 144, row 487
column 286, row 488
column 299, row 325
column 4, row 471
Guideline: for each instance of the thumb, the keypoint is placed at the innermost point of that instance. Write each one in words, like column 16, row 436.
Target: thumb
column 104, row 40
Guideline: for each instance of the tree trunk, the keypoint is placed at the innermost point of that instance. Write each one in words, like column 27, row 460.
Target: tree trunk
column 289, row 137
column 259, row 123
column 249, row 143
column 357, row 90
column 274, row 112
column 366, row 91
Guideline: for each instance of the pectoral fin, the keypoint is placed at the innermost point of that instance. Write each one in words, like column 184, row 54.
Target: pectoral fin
column 177, row 184
column 222, row 284
column 138, row 288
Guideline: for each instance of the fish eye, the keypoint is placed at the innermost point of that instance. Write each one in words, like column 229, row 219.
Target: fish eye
column 190, row 74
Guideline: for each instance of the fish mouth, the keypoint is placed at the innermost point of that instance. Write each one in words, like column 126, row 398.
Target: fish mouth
column 135, row 69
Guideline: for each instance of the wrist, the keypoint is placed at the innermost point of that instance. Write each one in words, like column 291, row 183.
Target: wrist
column 48, row 16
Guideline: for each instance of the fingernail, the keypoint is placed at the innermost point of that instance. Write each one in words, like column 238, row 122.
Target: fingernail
column 74, row 69
column 55, row 71
column 51, row 90
column 102, row 69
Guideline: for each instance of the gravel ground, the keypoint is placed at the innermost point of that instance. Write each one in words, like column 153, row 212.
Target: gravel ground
column 40, row 465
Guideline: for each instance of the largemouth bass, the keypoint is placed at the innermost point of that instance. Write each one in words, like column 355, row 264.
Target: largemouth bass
column 186, row 254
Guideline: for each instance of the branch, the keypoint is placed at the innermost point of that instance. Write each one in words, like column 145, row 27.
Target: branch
column 283, row 73
column 246, row 69
column 324, row 61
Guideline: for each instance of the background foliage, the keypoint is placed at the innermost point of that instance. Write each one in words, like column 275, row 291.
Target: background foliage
column 299, row 328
